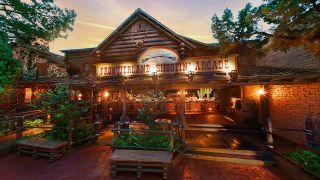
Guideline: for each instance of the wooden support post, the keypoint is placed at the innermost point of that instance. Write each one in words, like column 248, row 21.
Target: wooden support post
column 171, row 140
column 182, row 111
column 91, row 104
column 70, row 133
column 124, row 105
column 19, row 127
column 265, row 115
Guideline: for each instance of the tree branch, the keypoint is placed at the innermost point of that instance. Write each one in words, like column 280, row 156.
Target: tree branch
column 261, row 33
column 317, row 8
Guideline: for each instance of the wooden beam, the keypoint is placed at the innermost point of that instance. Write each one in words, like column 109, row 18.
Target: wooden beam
column 140, row 33
column 148, row 36
column 151, row 43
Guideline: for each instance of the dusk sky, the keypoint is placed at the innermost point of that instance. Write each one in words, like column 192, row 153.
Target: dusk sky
column 98, row 18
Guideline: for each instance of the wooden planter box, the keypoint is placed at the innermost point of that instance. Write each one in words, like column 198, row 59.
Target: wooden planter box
column 297, row 171
column 42, row 147
column 315, row 175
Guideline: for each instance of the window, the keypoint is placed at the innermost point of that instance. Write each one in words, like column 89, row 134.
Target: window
column 27, row 94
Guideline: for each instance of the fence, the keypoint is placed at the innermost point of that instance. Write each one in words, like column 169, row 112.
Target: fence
column 166, row 139
column 15, row 124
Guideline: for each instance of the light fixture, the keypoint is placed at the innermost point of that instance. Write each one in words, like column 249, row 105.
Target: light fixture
column 234, row 75
column 185, row 92
column 190, row 75
column 178, row 92
column 106, row 94
column 210, row 109
column 261, row 92
column 79, row 96
column 154, row 76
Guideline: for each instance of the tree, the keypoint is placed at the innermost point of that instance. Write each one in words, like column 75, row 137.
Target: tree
column 292, row 23
column 40, row 19
column 24, row 23
column 8, row 65
column 242, row 36
column 62, row 108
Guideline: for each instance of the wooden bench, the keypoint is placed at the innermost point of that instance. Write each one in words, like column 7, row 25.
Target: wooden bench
column 140, row 161
column 42, row 147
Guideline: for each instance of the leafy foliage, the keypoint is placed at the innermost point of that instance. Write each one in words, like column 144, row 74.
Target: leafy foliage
column 153, row 106
column 9, row 99
column 136, row 139
column 29, row 69
column 292, row 23
column 305, row 158
column 7, row 127
column 26, row 22
column 9, row 67
column 58, row 103
column 32, row 122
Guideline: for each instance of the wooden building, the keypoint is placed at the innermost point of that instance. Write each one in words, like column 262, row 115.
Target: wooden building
column 143, row 54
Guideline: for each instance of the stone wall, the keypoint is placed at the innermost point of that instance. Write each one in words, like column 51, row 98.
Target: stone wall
column 56, row 71
column 53, row 67
column 294, row 58
column 289, row 106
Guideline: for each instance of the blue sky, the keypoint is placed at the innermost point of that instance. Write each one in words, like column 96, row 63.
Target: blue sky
column 97, row 18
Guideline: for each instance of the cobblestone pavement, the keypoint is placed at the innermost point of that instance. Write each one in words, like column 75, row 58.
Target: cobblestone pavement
column 91, row 163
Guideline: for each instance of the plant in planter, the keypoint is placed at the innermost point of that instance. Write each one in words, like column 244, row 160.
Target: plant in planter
column 63, row 109
column 305, row 158
column 153, row 107
column 32, row 122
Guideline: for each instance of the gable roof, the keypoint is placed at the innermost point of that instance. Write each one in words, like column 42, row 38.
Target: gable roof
column 141, row 14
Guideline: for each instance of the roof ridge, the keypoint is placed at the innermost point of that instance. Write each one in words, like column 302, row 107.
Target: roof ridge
column 143, row 14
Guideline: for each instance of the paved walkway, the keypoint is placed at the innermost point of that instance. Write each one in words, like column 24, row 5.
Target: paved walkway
column 210, row 119
column 91, row 163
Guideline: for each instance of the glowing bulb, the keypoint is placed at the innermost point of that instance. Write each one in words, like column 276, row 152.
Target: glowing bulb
column 106, row 94
column 261, row 92
column 178, row 92
column 79, row 95
column 185, row 92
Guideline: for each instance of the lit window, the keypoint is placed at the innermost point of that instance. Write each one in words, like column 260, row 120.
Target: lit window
column 28, row 94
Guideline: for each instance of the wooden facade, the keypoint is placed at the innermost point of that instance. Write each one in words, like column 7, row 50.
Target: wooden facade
column 138, row 34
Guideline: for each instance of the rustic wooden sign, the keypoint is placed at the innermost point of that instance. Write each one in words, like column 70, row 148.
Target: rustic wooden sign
column 164, row 60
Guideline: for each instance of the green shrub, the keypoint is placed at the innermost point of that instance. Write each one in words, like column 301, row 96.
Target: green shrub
column 32, row 122
column 58, row 103
column 305, row 158
column 150, row 140
column 6, row 128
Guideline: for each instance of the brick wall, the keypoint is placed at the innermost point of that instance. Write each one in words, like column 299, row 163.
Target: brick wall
column 251, row 92
column 289, row 106
column 294, row 58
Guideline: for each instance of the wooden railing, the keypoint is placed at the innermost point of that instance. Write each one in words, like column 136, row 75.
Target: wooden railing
column 173, row 132
column 16, row 121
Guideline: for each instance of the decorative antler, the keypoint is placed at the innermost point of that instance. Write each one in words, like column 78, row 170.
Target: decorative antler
column 202, row 92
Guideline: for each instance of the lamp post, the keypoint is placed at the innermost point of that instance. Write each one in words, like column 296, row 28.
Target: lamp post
column 190, row 76
column 264, row 115
column 154, row 77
